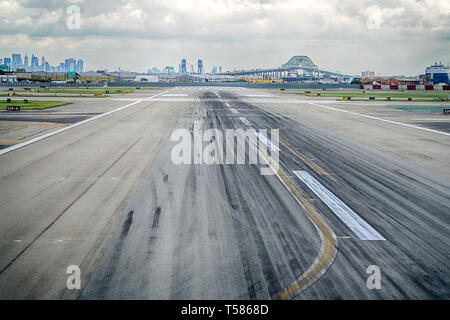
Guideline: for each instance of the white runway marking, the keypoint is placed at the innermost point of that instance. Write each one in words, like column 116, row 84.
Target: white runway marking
column 360, row 227
column 267, row 142
column 259, row 95
column 380, row 119
column 245, row 121
column 170, row 99
column 175, row 95
column 260, row 136
column 52, row 133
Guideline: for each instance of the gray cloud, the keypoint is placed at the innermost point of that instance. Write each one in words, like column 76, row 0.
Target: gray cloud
column 242, row 34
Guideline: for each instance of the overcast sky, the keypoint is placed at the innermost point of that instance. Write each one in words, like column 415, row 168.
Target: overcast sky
column 386, row 36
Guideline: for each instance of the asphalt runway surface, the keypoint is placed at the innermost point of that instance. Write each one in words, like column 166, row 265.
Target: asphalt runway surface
column 445, row 126
column 106, row 196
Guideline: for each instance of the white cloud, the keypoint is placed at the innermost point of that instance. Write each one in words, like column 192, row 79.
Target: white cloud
column 24, row 22
column 49, row 18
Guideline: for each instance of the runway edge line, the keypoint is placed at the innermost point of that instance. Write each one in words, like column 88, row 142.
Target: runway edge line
column 52, row 133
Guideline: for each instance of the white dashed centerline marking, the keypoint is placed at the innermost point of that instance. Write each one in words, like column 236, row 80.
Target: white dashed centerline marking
column 360, row 227
column 231, row 109
column 262, row 138
column 245, row 121
column 267, row 142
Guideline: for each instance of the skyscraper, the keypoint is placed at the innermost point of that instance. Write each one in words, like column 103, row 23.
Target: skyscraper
column 80, row 66
column 69, row 65
column 34, row 63
column 25, row 62
column 7, row 62
column 43, row 65
column 220, row 69
column 183, row 66
column 16, row 61
column 200, row 66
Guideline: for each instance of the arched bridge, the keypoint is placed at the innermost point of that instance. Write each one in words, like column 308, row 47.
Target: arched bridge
column 296, row 63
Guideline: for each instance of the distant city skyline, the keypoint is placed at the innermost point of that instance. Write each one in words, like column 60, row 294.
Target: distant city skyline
column 15, row 62
column 71, row 64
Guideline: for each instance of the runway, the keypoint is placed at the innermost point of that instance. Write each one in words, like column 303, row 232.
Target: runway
column 351, row 192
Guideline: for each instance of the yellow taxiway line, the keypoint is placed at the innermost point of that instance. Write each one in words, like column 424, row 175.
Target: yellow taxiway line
column 309, row 162
column 10, row 141
column 329, row 242
column 30, row 123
